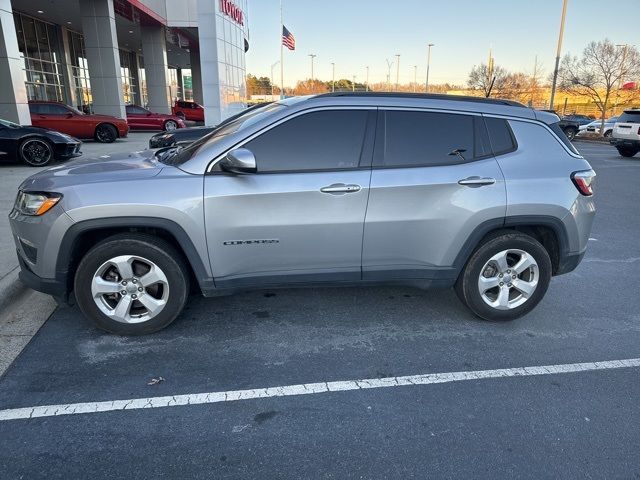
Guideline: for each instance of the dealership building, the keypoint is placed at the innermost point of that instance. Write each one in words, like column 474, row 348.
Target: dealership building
column 100, row 55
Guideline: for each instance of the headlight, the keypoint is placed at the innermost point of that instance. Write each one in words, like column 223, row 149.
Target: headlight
column 32, row 203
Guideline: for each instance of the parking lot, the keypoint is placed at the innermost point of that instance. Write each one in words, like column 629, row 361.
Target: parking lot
column 338, row 382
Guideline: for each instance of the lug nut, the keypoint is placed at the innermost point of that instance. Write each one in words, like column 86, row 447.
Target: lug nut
column 500, row 275
column 508, row 271
column 124, row 282
column 501, row 284
column 140, row 289
column 123, row 292
column 513, row 276
column 134, row 296
column 509, row 285
column 134, row 281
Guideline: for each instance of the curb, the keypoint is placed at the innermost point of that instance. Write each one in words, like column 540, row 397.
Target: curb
column 10, row 287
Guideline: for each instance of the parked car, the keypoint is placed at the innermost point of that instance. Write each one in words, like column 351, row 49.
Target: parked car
column 569, row 127
column 595, row 126
column 188, row 111
column 36, row 146
column 186, row 136
column 626, row 133
column 140, row 118
column 483, row 195
column 579, row 119
column 66, row 119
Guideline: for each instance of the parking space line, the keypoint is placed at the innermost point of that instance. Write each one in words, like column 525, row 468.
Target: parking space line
column 306, row 389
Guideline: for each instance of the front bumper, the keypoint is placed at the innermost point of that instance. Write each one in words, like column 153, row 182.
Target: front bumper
column 56, row 287
column 64, row 151
column 157, row 141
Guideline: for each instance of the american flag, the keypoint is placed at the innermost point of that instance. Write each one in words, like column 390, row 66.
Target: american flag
column 288, row 40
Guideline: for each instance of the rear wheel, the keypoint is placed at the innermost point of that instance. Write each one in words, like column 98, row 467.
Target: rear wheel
column 170, row 125
column 106, row 133
column 36, row 152
column 506, row 277
column 608, row 134
column 627, row 152
column 132, row 284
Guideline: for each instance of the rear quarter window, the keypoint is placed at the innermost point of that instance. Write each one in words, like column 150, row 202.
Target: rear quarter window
column 500, row 134
column 563, row 138
column 629, row 117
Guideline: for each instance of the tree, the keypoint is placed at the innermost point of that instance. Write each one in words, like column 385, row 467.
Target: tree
column 310, row 87
column 598, row 72
column 258, row 86
column 482, row 78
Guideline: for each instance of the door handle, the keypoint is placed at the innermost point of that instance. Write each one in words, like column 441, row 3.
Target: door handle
column 340, row 188
column 477, row 181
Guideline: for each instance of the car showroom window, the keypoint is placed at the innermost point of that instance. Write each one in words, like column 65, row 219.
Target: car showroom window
column 413, row 138
column 325, row 140
column 502, row 140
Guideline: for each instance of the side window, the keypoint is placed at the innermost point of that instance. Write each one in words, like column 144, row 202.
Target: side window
column 502, row 139
column 52, row 109
column 326, row 140
column 35, row 108
column 413, row 138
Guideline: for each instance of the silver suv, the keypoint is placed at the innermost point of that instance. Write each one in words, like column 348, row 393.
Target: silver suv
column 626, row 133
column 486, row 196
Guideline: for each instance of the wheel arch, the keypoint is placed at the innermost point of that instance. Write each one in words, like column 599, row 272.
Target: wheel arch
column 83, row 235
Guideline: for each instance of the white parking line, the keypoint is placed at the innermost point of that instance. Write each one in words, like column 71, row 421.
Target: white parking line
column 306, row 389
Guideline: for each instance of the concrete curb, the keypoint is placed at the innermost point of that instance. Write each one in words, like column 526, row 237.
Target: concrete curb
column 10, row 287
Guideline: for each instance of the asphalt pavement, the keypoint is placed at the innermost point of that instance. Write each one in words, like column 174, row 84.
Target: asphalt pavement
column 281, row 347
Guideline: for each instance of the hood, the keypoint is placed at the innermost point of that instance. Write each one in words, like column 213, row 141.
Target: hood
column 107, row 168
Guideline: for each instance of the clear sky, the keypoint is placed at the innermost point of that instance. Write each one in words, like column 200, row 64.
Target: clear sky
column 357, row 33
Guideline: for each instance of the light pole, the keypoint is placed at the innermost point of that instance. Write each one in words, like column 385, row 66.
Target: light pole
column 353, row 84
column 428, row 65
column 333, row 76
column 389, row 64
column 367, row 83
column 415, row 77
column 272, row 67
column 397, row 71
column 312, row 56
column 555, row 71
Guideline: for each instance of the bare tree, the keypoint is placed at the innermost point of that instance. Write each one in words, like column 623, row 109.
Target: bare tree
column 482, row 78
column 599, row 71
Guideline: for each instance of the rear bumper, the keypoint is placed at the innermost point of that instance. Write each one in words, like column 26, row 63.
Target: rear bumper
column 623, row 142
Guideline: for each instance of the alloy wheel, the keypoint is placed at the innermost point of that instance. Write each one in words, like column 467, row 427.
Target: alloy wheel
column 36, row 152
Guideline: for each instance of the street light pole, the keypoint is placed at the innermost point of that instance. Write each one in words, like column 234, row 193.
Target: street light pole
column 558, row 51
column 389, row 64
column 272, row 67
column 397, row 72
column 312, row 55
column 428, row 65
column 415, row 77
column 367, row 83
column 353, row 84
column 333, row 76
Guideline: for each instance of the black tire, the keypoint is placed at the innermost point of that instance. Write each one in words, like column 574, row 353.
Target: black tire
column 627, row 152
column 608, row 134
column 36, row 152
column 170, row 126
column 570, row 133
column 106, row 133
column 467, row 285
column 158, row 251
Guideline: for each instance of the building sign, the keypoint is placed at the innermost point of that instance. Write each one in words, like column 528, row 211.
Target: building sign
column 231, row 10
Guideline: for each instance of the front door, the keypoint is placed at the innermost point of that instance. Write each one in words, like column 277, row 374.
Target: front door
column 300, row 217
column 434, row 181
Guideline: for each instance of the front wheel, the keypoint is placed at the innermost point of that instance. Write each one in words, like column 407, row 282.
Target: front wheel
column 608, row 134
column 627, row 152
column 170, row 125
column 36, row 152
column 106, row 133
column 571, row 133
column 132, row 284
column 506, row 277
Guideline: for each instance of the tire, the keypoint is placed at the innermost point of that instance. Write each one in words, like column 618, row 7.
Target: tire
column 608, row 134
column 106, row 133
column 35, row 152
column 570, row 133
column 170, row 125
column 627, row 152
column 122, row 310
column 482, row 264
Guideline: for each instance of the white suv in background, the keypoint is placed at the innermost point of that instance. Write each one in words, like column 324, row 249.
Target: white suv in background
column 626, row 133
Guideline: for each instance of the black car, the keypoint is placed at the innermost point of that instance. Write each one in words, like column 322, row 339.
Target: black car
column 579, row 119
column 184, row 136
column 569, row 127
column 36, row 146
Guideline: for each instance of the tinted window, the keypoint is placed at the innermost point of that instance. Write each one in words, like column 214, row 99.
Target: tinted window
column 326, row 140
column 427, row 138
column 560, row 133
column 34, row 108
column 630, row 117
column 502, row 140
column 131, row 109
column 51, row 109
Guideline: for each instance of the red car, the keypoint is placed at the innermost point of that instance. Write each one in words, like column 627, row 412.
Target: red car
column 65, row 119
column 188, row 111
column 142, row 119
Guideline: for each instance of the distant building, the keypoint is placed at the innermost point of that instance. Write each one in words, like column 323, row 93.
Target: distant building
column 100, row 55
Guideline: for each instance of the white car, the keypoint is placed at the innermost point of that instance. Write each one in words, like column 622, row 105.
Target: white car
column 594, row 127
column 626, row 133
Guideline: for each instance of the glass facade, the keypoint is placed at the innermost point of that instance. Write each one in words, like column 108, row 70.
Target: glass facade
column 39, row 43
column 129, row 72
column 79, row 71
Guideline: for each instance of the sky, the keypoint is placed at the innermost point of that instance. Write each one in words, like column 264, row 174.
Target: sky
column 359, row 33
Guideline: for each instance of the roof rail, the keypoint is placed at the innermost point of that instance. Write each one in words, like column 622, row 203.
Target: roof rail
column 425, row 96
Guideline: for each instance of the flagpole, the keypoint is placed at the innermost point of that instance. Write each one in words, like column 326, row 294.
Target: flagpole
column 281, row 54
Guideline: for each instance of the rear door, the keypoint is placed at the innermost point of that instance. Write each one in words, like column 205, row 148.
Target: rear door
column 434, row 181
column 300, row 218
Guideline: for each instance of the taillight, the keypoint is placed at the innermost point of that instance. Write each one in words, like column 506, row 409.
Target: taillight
column 583, row 180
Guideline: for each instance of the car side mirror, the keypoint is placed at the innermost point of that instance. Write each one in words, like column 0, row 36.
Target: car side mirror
column 240, row 161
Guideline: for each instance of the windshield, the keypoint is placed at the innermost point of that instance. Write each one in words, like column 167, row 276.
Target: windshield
column 236, row 123
column 8, row 124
